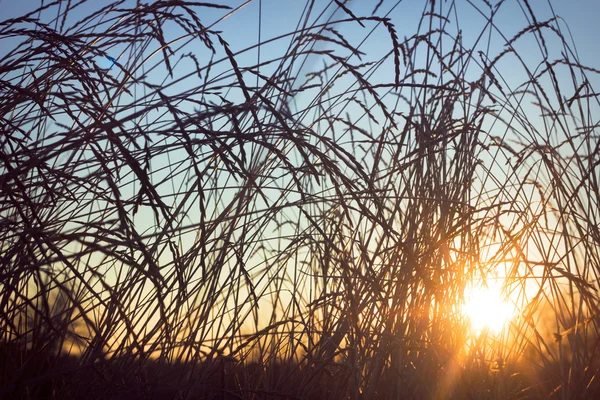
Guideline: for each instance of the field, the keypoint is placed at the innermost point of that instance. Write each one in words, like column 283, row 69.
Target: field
column 297, row 200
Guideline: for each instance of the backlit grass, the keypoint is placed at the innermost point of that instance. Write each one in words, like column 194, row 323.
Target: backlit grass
column 340, row 209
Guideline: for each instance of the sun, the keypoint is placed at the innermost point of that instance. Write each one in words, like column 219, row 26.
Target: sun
column 486, row 307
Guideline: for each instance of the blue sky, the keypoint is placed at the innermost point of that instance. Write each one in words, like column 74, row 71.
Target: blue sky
column 281, row 16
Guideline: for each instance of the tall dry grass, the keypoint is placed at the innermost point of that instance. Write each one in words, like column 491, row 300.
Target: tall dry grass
column 182, row 218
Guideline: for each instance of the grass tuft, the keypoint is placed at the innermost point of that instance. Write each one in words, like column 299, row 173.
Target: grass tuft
column 186, row 215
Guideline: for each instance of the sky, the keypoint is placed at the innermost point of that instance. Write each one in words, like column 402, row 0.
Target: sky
column 279, row 17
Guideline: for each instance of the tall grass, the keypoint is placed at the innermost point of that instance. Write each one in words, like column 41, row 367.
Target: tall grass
column 181, row 218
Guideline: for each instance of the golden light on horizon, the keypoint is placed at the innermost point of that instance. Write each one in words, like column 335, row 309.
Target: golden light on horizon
column 486, row 308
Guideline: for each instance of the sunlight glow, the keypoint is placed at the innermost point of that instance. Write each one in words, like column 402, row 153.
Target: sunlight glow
column 486, row 308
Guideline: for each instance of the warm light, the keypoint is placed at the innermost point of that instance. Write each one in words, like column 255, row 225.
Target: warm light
column 486, row 308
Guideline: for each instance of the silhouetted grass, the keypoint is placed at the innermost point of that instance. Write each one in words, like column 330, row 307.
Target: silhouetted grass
column 182, row 218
